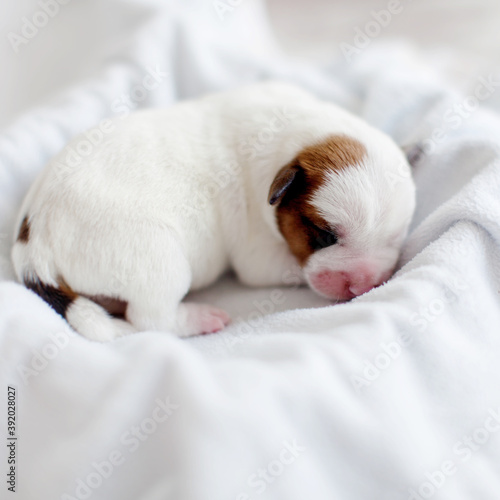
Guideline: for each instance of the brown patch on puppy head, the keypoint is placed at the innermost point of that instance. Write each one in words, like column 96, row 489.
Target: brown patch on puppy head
column 303, row 228
column 24, row 231
column 334, row 153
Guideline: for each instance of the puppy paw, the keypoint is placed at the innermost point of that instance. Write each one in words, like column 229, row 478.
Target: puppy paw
column 197, row 319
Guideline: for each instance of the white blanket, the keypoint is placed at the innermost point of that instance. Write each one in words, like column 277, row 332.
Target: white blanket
column 392, row 396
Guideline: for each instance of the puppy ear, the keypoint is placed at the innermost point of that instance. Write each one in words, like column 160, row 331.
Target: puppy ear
column 414, row 152
column 282, row 182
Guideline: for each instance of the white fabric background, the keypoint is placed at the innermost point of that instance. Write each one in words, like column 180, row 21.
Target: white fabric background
column 72, row 44
column 381, row 395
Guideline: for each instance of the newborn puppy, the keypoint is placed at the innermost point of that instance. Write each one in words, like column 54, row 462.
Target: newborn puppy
column 258, row 179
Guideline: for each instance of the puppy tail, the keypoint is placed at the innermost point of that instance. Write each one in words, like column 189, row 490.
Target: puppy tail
column 85, row 316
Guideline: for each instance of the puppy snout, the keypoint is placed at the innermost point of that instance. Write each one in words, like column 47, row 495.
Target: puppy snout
column 361, row 285
column 345, row 285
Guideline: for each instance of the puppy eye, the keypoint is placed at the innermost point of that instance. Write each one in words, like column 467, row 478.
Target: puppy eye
column 323, row 239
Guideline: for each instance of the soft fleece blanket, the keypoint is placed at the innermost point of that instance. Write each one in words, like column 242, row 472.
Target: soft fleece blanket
column 392, row 396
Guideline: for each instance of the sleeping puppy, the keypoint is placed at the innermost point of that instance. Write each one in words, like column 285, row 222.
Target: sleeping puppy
column 258, row 180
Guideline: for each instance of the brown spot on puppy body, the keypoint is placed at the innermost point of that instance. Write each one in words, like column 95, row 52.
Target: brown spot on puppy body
column 115, row 307
column 59, row 298
column 292, row 189
column 62, row 296
column 24, row 231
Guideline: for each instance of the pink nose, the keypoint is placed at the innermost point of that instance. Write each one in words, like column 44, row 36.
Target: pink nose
column 345, row 285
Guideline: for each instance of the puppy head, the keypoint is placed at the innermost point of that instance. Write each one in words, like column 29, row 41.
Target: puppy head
column 344, row 208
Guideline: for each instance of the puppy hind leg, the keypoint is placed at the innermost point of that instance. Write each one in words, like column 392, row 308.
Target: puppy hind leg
column 185, row 319
column 158, row 292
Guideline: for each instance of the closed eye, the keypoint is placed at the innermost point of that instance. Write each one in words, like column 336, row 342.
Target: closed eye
column 324, row 239
column 321, row 238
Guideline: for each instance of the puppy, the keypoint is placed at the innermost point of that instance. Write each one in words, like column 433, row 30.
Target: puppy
column 258, row 180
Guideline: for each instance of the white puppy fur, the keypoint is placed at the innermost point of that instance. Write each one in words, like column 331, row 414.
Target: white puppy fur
column 169, row 199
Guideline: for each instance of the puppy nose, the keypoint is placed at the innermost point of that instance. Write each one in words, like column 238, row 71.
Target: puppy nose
column 344, row 285
column 361, row 287
column 362, row 280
